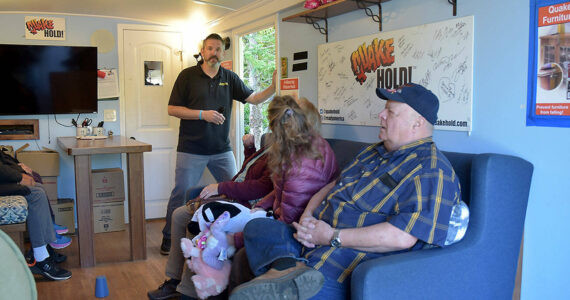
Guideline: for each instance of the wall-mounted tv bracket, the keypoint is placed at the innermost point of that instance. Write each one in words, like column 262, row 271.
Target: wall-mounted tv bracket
column 454, row 3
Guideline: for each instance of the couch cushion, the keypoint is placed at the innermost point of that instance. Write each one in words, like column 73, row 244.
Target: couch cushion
column 13, row 209
column 461, row 163
column 345, row 151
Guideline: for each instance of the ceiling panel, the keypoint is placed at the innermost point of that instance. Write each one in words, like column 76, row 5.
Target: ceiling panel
column 168, row 12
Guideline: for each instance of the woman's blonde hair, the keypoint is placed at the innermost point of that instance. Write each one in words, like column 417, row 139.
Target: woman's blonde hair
column 292, row 135
column 311, row 112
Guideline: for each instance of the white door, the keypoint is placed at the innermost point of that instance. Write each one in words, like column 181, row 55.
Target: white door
column 151, row 62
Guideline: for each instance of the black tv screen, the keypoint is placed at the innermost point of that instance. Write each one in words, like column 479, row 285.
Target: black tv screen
column 48, row 79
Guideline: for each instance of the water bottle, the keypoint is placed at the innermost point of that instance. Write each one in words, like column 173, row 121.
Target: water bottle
column 458, row 223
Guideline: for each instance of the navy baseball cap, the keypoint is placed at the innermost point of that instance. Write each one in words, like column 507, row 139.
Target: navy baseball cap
column 416, row 96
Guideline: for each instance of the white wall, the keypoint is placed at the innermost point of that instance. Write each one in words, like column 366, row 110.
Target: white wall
column 499, row 116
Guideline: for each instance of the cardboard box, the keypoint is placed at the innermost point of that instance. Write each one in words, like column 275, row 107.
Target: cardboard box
column 108, row 216
column 64, row 213
column 45, row 162
column 108, row 185
column 50, row 186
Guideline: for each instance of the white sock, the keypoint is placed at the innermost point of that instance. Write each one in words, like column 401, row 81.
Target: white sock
column 41, row 253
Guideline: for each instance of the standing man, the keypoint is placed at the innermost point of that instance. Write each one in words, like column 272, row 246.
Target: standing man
column 202, row 99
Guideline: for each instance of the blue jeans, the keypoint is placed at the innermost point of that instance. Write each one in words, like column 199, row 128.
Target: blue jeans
column 267, row 240
column 189, row 169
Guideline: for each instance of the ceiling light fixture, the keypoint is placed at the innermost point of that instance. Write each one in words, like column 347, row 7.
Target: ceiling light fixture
column 213, row 4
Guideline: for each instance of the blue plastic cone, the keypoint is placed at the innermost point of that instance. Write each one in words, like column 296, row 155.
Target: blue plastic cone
column 101, row 289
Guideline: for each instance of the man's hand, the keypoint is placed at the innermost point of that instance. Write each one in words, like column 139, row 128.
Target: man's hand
column 27, row 180
column 213, row 116
column 209, row 191
column 248, row 140
column 312, row 232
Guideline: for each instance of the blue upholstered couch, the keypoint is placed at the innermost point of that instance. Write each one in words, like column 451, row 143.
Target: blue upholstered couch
column 481, row 266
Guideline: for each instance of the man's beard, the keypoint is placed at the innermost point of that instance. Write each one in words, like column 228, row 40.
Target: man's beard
column 209, row 60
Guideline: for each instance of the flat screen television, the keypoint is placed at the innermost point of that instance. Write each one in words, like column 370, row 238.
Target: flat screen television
column 48, row 79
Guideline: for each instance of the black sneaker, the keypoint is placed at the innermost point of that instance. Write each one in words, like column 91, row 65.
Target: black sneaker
column 165, row 246
column 167, row 290
column 57, row 257
column 49, row 269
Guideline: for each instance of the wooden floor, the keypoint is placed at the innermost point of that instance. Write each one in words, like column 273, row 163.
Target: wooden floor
column 125, row 279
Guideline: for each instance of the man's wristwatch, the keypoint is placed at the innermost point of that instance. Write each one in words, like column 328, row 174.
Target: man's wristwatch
column 335, row 241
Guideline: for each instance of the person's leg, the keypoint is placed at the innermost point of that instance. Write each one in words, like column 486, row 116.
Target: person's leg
column 40, row 226
column 267, row 240
column 61, row 241
column 186, row 285
column 175, row 263
column 222, row 166
column 189, row 169
column 41, row 232
column 40, row 185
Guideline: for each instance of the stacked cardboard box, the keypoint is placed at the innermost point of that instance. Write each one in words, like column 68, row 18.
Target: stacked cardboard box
column 108, row 190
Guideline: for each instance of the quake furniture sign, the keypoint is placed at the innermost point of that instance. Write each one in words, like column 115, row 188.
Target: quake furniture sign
column 45, row 28
column 438, row 56
column 549, row 60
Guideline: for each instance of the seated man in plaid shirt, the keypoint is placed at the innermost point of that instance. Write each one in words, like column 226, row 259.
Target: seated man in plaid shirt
column 395, row 196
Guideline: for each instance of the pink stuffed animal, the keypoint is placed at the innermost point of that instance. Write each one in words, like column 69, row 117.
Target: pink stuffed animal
column 208, row 261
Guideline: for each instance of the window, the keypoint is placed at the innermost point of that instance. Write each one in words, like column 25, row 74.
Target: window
column 258, row 50
column 254, row 59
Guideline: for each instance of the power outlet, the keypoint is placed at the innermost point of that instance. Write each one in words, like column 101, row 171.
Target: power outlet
column 110, row 115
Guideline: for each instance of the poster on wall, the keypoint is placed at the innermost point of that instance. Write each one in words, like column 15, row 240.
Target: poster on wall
column 45, row 28
column 289, row 87
column 107, row 84
column 438, row 56
column 549, row 64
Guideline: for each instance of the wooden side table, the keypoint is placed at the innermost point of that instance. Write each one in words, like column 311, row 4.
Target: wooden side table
column 82, row 150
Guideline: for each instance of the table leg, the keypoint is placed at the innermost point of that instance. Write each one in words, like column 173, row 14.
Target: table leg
column 84, row 210
column 137, row 226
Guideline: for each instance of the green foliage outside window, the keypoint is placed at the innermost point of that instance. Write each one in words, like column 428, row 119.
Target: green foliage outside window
column 259, row 63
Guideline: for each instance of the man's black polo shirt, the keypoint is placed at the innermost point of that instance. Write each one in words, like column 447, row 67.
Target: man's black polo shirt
column 196, row 90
